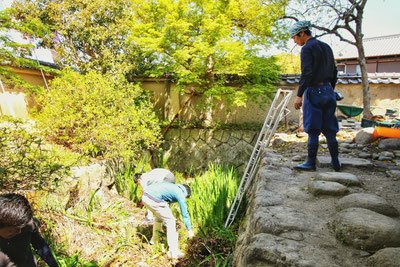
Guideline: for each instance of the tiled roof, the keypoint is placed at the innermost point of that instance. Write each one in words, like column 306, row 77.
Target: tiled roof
column 376, row 46
column 352, row 78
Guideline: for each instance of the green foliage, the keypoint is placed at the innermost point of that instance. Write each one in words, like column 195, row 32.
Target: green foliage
column 98, row 115
column 289, row 63
column 89, row 35
column 24, row 162
column 219, row 244
column 203, row 42
column 12, row 52
column 212, row 195
column 17, row 54
column 124, row 180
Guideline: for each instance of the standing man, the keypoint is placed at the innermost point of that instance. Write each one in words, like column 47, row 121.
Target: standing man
column 157, row 175
column 157, row 197
column 317, row 83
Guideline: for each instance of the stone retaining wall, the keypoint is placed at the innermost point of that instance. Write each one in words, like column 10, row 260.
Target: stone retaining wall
column 303, row 219
column 194, row 149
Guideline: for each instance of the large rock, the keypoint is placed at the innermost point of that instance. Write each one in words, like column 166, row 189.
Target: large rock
column 387, row 257
column 389, row 144
column 350, row 162
column 339, row 177
column 393, row 173
column 365, row 229
column 365, row 136
column 269, row 250
column 367, row 201
column 280, row 219
column 327, row 188
column 266, row 198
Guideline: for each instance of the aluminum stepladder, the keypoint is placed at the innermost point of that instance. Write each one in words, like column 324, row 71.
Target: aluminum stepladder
column 275, row 114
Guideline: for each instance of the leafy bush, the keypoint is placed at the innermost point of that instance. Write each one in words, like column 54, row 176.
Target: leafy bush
column 24, row 163
column 98, row 115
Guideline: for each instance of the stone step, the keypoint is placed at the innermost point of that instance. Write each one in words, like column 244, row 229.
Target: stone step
column 325, row 161
column 367, row 230
column 318, row 188
column 367, row 201
column 339, row 177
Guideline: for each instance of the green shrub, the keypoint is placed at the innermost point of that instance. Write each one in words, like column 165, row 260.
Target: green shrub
column 98, row 115
column 24, row 163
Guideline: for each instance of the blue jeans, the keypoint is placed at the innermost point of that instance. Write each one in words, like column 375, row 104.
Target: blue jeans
column 319, row 113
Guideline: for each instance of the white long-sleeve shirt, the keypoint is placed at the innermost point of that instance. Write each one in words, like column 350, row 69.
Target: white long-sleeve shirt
column 156, row 176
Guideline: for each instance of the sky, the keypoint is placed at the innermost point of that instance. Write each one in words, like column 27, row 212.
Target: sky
column 380, row 18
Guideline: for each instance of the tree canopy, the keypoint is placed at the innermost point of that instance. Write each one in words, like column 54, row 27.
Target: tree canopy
column 13, row 53
column 88, row 35
column 202, row 44
column 289, row 63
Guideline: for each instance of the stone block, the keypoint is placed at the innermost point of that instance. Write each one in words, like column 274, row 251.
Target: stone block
column 218, row 135
column 388, row 257
column 367, row 201
column 185, row 133
column 195, row 134
column 225, row 137
column 318, row 188
column 366, row 230
column 339, row 177
column 248, row 137
column 237, row 133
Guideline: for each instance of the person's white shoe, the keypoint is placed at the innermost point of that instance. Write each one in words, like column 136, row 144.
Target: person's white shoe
column 175, row 254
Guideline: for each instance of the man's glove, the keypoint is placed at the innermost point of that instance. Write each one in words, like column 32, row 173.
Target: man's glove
column 190, row 233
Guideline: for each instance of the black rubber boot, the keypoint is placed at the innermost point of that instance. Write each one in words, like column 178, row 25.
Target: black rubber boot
column 310, row 164
column 334, row 151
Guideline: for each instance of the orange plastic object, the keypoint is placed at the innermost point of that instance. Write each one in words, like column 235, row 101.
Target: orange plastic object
column 386, row 132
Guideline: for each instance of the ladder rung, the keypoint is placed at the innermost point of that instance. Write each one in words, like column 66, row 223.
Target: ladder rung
column 266, row 131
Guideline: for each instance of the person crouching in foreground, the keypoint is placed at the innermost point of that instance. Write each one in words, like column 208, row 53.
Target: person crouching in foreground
column 157, row 197
column 157, row 175
column 18, row 231
column 317, row 83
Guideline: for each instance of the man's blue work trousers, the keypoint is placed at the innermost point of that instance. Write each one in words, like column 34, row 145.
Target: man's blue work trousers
column 319, row 111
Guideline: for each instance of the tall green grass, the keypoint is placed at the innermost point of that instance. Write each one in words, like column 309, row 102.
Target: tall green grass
column 124, row 179
column 212, row 195
column 213, row 192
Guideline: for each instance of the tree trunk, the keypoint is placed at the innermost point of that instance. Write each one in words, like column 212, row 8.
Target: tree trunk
column 209, row 75
column 364, row 80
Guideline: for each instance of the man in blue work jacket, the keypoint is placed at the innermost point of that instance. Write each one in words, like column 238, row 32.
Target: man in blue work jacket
column 157, row 197
column 317, row 83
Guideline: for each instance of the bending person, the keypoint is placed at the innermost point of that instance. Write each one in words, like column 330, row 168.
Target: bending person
column 157, row 175
column 157, row 198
